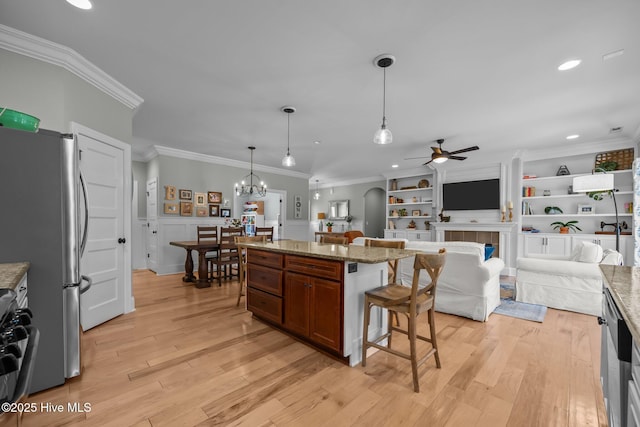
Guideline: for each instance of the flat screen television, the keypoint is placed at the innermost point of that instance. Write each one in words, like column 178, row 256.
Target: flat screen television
column 471, row 195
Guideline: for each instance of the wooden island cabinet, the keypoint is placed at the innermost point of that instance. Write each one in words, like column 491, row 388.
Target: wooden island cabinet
column 315, row 291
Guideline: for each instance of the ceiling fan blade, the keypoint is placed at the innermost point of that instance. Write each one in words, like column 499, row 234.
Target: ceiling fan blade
column 464, row 150
column 437, row 150
column 425, row 164
column 457, row 157
column 414, row 158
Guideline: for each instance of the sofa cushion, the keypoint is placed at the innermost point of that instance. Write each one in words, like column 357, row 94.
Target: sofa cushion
column 587, row 252
column 556, row 267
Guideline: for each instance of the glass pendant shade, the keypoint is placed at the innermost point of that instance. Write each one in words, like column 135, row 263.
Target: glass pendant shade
column 288, row 160
column 383, row 135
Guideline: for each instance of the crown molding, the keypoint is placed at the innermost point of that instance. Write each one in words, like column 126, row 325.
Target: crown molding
column 189, row 155
column 578, row 148
column 331, row 184
column 38, row 48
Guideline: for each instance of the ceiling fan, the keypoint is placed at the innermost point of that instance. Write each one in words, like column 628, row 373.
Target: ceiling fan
column 440, row 156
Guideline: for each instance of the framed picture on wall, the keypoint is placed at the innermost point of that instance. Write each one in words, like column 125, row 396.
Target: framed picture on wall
column 214, row 210
column 214, row 196
column 171, row 208
column 200, row 199
column 169, row 192
column 186, row 208
column 185, row 195
column 201, row 211
column 225, row 213
column 416, row 212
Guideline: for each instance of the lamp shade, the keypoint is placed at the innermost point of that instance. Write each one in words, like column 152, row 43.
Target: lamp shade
column 321, row 215
column 595, row 182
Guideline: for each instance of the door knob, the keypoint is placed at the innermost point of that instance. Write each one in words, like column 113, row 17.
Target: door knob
column 122, row 240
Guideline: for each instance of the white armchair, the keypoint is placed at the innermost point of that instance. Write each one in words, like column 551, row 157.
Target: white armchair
column 573, row 283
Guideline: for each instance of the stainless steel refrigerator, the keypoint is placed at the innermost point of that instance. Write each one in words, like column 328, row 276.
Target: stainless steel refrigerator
column 42, row 222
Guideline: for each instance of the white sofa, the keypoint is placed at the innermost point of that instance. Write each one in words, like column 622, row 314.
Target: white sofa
column 572, row 283
column 469, row 286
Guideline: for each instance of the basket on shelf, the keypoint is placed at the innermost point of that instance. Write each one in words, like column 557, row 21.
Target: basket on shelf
column 624, row 158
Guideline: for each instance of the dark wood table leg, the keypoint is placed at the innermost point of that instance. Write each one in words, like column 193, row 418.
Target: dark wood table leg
column 188, row 268
column 203, row 270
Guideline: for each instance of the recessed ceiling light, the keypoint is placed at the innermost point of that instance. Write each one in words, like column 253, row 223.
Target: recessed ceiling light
column 394, row 166
column 569, row 64
column 574, row 136
column 81, row 4
column 316, row 142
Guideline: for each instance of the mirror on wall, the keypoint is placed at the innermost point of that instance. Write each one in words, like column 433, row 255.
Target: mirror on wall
column 338, row 209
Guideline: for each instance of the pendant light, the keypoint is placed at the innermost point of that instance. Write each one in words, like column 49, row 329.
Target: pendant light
column 383, row 135
column 288, row 160
column 316, row 196
column 247, row 187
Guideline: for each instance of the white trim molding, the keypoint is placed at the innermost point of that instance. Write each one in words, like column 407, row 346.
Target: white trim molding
column 53, row 53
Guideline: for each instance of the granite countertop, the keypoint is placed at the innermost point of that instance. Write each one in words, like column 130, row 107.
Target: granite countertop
column 12, row 273
column 624, row 285
column 354, row 253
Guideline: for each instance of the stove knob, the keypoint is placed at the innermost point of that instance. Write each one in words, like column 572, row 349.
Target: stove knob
column 8, row 363
column 14, row 334
column 21, row 319
column 12, row 348
column 25, row 311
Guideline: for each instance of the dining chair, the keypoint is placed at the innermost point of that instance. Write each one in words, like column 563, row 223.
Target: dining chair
column 412, row 302
column 209, row 234
column 266, row 231
column 339, row 240
column 228, row 258
column 242, row 253
column 393, row 264
column 352, row 234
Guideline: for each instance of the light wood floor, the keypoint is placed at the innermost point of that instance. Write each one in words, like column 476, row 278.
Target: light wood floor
column 188, row 356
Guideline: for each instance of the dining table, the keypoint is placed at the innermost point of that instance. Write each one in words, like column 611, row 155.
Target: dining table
column 202, row 281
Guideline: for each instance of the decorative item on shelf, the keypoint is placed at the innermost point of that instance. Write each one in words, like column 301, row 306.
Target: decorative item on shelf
column 546, row 192
column 329, row 226
column 622, row 158
column 398, row 200
column 586, row 209
column 427, row 225
column 402, row 212
column 623, row 226
column 392, row 200
column 565, row 227
column 394, row 213
column 411, row 187
column 412, row 224
column 393, row 185
column 510, row 206
column 416, row 212
column 628, row 207
column 321, row 216
column 552, row 210
column 349, row 218
column 423, row 183
column 503, row 209
column 414, row 199
column 442, row 217
column 563, row 170
column 392, row 225
column 528, row 191
column 570, row 190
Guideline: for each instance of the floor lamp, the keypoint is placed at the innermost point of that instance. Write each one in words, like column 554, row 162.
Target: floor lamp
column 599, row 182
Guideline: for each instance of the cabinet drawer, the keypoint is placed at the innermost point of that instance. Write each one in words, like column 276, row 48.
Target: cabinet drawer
column 265, row 278
column 264, row 305
column 269, row 259
column 323, row 268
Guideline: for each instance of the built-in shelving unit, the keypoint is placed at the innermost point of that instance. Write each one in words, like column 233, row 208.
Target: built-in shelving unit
column 543, row 190
column 410, row 198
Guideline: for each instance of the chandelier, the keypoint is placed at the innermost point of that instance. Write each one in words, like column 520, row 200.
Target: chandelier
column 247, row 187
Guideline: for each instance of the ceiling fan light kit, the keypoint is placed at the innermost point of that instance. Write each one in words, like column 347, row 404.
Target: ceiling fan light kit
column 383, row 135
column 440, row 156
column 288, row 160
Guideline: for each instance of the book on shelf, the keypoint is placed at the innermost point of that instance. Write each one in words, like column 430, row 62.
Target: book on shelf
column 526, row 208
column 528, row 191
column 529, row 176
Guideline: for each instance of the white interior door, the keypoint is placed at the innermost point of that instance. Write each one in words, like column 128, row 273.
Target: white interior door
column 152, row 224
column 102, row 163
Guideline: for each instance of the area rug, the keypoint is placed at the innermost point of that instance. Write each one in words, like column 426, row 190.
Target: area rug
column 510, row 307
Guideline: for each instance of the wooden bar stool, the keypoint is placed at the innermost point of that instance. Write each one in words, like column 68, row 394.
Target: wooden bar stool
column 242, row 254
column 410, row 301
column 334, row 240
column 393, row 265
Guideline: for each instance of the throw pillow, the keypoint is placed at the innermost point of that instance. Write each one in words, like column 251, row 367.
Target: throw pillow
column 488, row 251
column 589, row 252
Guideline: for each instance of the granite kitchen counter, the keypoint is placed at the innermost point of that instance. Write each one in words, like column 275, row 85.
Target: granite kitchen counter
column 624, row 284
column 352, row 253
column 12, row 273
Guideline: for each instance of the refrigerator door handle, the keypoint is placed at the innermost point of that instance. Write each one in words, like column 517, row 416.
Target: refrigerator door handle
column 86, row 216
column 87, row 279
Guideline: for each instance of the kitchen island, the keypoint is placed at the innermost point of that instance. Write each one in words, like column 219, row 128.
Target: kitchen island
column 316, row 291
